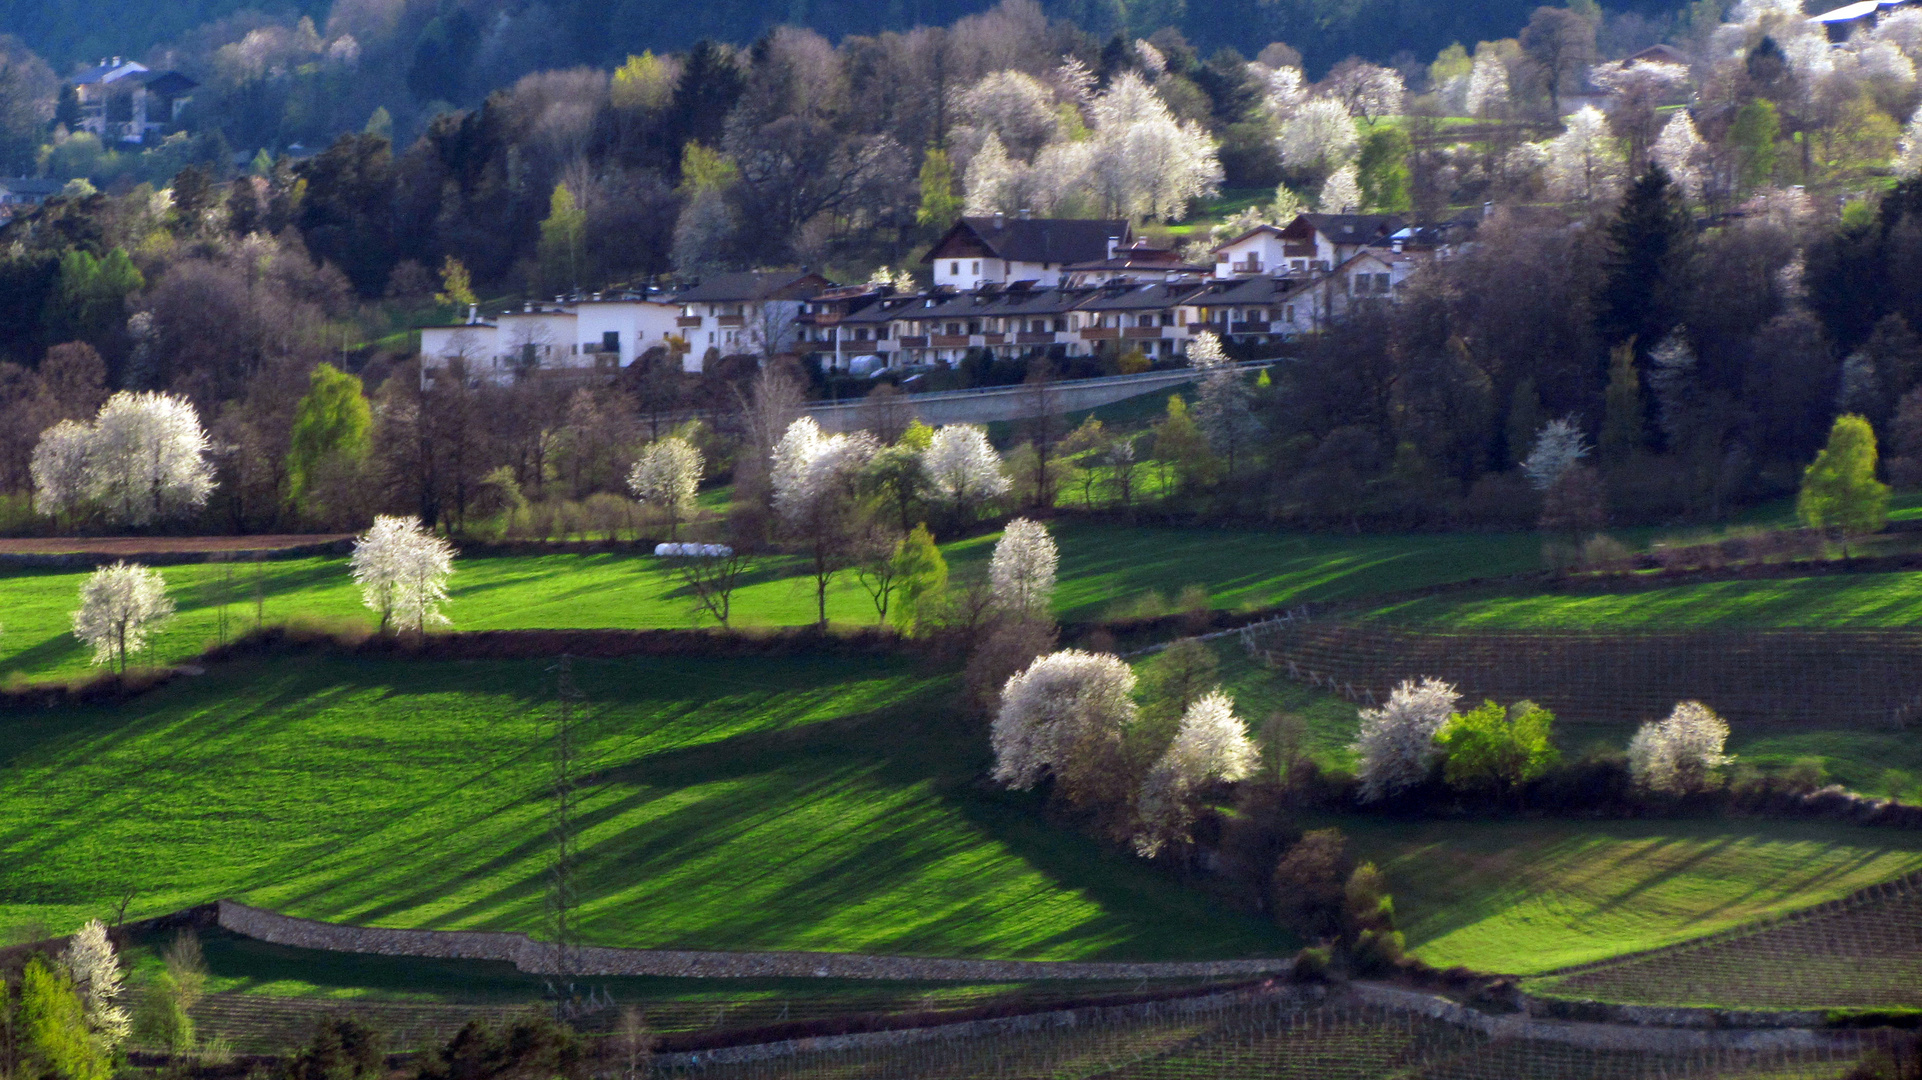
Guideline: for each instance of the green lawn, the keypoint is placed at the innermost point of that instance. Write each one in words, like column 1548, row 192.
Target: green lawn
column 1101, row 566
column 1529, row 896
column 809, row 803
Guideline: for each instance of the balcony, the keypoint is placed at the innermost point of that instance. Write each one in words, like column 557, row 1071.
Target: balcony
column 948, row 341
column 1252, row 266
column 688, row 320
column 913, row 341
column 994, row 339
column 1026, row 338
column 730, row 320
column 1142, row 333
column 1101, row 333
column 1248, row 328
column 1298, row 251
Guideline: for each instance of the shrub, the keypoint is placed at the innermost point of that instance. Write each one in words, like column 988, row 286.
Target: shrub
column 1496, row 749
column 1310, row 883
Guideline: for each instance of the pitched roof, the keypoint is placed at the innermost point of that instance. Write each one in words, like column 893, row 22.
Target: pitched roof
column 106, row 70
column 1262, row 289
column 755, row 285
column 1355, row 228
column 1039, row 240
column 171, row 83
column 1138, row 297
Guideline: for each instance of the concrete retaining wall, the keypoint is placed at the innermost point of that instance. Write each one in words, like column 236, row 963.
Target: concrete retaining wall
column 539, row 958
column 993, row 403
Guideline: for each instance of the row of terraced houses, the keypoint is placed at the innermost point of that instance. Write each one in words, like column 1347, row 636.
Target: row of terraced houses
column 1009, row 286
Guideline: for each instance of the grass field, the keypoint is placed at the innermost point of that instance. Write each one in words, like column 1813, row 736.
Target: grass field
column 1526, row 896
column 1837, row 600
column 819, row 803
column 1101, row 567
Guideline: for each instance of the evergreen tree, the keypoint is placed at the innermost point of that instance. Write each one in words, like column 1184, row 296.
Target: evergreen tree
column 1645, row 272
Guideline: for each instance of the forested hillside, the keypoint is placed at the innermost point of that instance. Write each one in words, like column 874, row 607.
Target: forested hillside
column 602, row 32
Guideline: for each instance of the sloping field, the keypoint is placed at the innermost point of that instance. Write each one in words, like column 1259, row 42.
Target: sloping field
column 1532, row 896
column 1840, row 601
column 1865, row 952
column 806, row 803
column 1100, row 567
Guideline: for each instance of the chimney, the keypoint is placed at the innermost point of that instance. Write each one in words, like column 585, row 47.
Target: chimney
column 473, row 314
column 1000, row 219
column 1026, row 214
column 1488, row 208
column 527, row 306
column 1395, row 245
column 1113, row 243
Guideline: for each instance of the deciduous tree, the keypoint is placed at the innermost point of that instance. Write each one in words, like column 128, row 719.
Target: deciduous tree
column 1022, row 569
column 1680, row 753
column 120, row 605
column 1396, row 744
column 1211, row 745
column 667, row 477
column 1839, row 489
column 402, row 570
column 1067, row 715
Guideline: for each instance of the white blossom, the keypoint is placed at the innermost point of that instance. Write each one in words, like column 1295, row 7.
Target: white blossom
column 989, row 181
column 1021, row 572
column 1341, row 192
column 1396, row 743
column 1143, row 162
column 668, row 475
column 1487, row 85
column 1368, row 90
column 811, row 468
column 1558, row 446
column 120, row 605
column 1211, row 745
column 1679, row 149
column 402, row 570
column 962, row 468
column 1885, row 62
column 1286, row 90
column 1680, row 753
column 1152, row 62
column 1057, row 714
column 1584, row 163
column 1224, row 407
column 1318, row 135
column 1646, row 80
column 95, row 970
column 1012, row 106
column 142, row 460
column 1903, row 29
column 59, row 467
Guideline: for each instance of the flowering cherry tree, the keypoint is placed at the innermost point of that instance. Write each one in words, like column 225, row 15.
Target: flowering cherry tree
column 962, row 469
column 1021, row 573
column 667, row 476
column 1065, row 714
column 402, row 570
column 1396, row 744
column 1211, row 745
column 120, row 605
column 1679, row 753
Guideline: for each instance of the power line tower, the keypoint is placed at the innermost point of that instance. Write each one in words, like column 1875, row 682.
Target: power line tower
column 560, row 896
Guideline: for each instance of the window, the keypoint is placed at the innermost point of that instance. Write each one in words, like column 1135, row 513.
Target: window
column 1060, row 324
column 860, row 333
column 1299, row 265
column 1167, row 318
column 611, row 341
column 975, row 268
column 1145, row 320
column 974, row 326
column 1381, row 283
column 954, row 329
column 954, row 268
column 1288, row 313
column 880, row 333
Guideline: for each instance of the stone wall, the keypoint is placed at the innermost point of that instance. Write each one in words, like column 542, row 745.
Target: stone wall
column 539, row 957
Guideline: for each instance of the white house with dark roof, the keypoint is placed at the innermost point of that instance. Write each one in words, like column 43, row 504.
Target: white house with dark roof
column 125, row 100
column 757, row 311
column 1311, row 243
column 1002, row 250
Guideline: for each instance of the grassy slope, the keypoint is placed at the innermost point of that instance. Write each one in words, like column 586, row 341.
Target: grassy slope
column 807, row 803
column 1528, row 896
column 1100, row 566
column 1852, row 601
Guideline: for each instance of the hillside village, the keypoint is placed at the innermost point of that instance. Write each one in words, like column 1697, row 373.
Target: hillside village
column 1009, row 287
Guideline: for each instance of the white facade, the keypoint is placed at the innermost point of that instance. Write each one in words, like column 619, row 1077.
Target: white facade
column 972, row 272
column 1266, row 251
column 619, row 331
